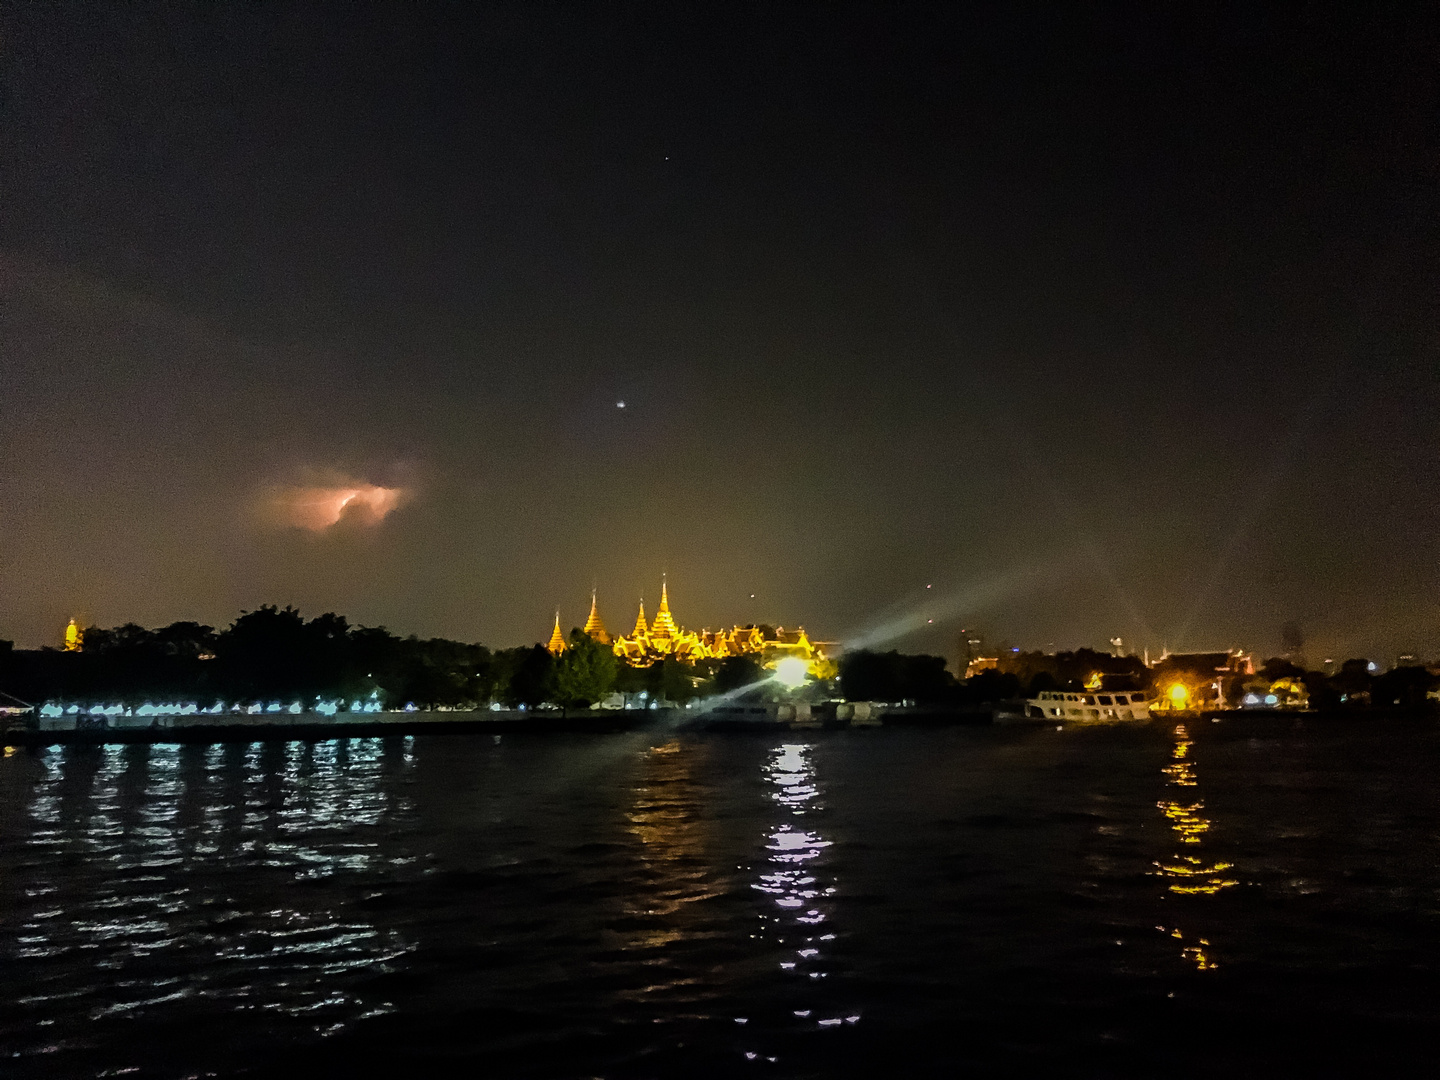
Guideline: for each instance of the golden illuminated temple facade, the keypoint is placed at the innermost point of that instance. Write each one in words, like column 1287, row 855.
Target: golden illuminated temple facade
column 662, row 637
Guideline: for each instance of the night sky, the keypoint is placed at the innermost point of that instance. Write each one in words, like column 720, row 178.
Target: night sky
column 1113, row 324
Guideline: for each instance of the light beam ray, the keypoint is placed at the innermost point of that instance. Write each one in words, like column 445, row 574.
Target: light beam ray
column 960, row 603
column 1269, row 481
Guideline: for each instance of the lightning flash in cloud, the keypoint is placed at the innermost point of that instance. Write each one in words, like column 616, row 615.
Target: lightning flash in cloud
column 320, row 507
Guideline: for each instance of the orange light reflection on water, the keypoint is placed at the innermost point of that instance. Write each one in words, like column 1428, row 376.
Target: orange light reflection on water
column 1188, row 874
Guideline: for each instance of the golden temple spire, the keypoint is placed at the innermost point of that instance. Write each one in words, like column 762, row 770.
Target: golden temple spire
column 74, row 637
column 557, row 644
column 641, row 628
column 664, row 624
column 593, row 626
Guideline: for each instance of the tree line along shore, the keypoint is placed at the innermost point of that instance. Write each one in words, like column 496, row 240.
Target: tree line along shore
column 274, row 655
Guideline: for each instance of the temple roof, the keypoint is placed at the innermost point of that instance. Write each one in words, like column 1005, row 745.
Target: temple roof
column 593, row 626
column 653, row 640
column 664, row 624
column 557, row 640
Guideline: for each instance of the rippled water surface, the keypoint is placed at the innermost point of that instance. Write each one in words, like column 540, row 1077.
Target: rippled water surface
column 1160, row 900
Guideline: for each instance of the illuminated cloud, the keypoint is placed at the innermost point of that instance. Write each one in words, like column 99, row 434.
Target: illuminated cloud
column 319, row 507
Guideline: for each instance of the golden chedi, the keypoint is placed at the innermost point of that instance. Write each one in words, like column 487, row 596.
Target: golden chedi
column 556, row 644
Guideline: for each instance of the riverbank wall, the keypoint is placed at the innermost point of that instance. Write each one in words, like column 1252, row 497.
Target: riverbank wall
column 282, row 727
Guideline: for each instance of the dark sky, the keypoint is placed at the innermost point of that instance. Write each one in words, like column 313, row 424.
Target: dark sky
column 1110, row 324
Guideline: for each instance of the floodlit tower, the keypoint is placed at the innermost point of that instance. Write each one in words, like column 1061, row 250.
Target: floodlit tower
column 74, row 637
column 594, row 628
column 556, row 644
column 641, row 626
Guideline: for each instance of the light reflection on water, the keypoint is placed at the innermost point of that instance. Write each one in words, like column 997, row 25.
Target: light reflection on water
column 587, row 904
column 803, row 902
column 665, row 817
column 159, row 862
column 1188, row 873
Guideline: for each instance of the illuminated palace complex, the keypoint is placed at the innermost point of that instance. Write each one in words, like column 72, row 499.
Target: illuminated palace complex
column 662, row 637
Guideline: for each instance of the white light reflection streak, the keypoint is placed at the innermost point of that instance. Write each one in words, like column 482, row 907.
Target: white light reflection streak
column 788, row 876
column 143, row 844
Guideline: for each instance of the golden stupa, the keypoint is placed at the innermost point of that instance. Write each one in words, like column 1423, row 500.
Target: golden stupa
column 593, row 626
column 556, row 644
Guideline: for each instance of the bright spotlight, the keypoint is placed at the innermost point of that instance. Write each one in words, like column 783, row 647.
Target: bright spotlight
column 792, row 672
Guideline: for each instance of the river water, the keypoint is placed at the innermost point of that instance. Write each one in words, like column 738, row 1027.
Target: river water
column 1170, row 899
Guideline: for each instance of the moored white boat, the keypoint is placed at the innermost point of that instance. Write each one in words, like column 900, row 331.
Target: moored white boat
column 1088, row 706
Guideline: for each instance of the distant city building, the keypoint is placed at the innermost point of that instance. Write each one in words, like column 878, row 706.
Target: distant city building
column 972, row 645
column 1196, row 680
column 1229, row 662
column 981, row 663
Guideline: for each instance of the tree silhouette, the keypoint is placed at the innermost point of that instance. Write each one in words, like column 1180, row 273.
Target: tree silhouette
column 585, row 672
